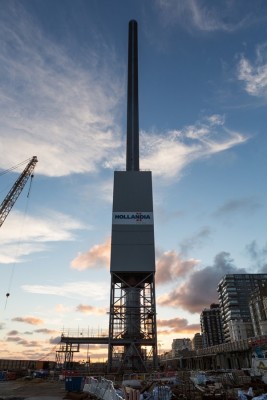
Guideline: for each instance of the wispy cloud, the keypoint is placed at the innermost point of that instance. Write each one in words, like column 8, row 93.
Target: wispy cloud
column 254, row 74
column 56, row 109
column 29, row 320
column 205, row 16
column 38, row 232
column 51, row 105
column 167, row 155
column 196, row 240
column 243, row 205
column 74, row 290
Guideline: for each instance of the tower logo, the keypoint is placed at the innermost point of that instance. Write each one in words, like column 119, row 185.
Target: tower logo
column 132, row 218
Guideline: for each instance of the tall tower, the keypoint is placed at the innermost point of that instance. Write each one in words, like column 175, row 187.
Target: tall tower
column 132, row 323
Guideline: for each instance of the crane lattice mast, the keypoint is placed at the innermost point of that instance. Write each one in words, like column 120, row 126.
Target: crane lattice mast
column 16, row 189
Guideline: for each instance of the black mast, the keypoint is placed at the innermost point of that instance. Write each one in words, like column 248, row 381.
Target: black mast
column 132, row 153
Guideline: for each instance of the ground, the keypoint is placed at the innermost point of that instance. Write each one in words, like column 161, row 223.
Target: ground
column 36, row 389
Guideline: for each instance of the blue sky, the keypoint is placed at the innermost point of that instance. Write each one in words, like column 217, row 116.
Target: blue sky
column 202, row 99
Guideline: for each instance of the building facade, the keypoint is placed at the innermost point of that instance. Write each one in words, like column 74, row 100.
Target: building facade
column 179, row 345
column 258, row 311
column 234, row 292
column 211, row 326
column 197, row 341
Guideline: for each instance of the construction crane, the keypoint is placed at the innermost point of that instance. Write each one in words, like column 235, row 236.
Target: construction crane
column 16, row 189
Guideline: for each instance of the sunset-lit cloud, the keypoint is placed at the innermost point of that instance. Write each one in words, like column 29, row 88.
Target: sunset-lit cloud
column 29, row 320
column 176, row 326
column 61, row 309
column 85, row 309
column 46, row 331
column 170, row 266
column 195, row 294
column 97, row 256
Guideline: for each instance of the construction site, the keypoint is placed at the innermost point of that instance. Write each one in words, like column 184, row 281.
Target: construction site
column 133, row 364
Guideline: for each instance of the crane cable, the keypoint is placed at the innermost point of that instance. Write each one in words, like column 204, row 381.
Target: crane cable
column 18, row 243
column 14, row 167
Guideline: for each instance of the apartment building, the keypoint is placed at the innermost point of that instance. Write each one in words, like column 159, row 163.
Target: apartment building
column 234, row 292
column 211, row 326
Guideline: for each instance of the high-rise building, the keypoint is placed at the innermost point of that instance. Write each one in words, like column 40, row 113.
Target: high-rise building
column 211, row 326
column 234, row 291
column 258, row 311
column 197, row 341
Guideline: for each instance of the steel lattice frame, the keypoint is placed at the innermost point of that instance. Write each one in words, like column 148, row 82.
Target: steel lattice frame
column 127, row 351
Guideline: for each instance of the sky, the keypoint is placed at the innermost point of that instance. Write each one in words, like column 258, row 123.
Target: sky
column 202, row 119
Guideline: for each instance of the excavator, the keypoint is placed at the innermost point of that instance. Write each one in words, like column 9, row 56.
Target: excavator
column 16, row 189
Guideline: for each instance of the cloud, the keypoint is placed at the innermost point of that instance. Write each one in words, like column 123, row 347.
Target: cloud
column 38, row 232
column 195, row 240
column 210, row 17
column 13, row 333
column 170, row 267
column 61, row 309
column 176, row 325
column 67, row 106
column 258, row 255
column 14, row 339
column 245, row 205
column 85, row 309
column 73, row 290
column 168, row 154
column 199, row 291
column 26, row 343
column 29, row 320
column 254, row 75
column 46, row 331
column 53, row 106
column 97, row 256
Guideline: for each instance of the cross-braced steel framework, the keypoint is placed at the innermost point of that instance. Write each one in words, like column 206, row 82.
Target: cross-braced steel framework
column 132, row 328
column 64, row 356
